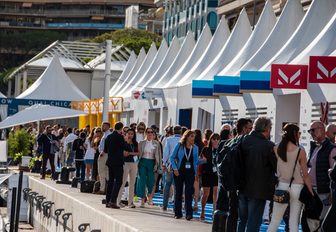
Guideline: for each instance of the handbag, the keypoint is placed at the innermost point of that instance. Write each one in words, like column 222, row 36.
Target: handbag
column 282, row 196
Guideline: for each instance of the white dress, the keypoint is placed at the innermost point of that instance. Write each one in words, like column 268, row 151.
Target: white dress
column 90, row 151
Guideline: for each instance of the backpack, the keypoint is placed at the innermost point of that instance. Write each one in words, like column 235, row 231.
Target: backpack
column 231, row 169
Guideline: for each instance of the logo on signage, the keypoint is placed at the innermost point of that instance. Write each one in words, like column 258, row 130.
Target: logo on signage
column 137, row 95
column 294, row 79
column 322, row 69
column 289, row 76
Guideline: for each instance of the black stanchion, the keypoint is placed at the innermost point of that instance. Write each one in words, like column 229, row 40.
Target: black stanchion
column 12, row 214
column 18, row 202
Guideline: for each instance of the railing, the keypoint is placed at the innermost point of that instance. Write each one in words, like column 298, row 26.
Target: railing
column 63, row 12
column 86, row 25
column 64, row 25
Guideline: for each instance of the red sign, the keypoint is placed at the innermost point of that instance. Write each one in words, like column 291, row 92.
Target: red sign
column 289, row 76
column 322, row 69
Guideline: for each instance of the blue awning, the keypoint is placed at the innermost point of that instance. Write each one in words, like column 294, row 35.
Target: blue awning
column 255, row 82
column 226, row 85
column 202, row 88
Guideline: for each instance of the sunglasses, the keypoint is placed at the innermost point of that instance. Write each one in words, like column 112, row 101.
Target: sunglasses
column 215, row 139
column 149, row 132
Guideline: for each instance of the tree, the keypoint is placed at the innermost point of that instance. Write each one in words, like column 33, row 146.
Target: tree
column 19, row 144
column 133, row 39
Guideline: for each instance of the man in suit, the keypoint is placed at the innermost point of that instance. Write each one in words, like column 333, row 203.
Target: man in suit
column 115, row 146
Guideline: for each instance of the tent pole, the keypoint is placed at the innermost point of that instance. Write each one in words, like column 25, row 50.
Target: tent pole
column 108, row 53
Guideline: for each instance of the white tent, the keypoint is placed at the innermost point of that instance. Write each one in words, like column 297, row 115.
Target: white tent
column 183, row 55
column 128, row 68
column 319, row 14
column 137, row 65
column 266, row 23
column 39, row 112
column 199, row 49
column 218, row 40
column 238, row 38
column 49, row 84
column 157, row 61
column 167, row 60
column 323, row 45
column 288, row 22
column 333, row 53
column 145, row 65
column 1, row 95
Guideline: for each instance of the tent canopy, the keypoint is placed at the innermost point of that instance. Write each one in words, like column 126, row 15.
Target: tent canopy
column 49, row 84
column 39, row 112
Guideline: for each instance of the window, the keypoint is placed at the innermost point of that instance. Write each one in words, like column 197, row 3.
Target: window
column 212, row 20
column 212, row 3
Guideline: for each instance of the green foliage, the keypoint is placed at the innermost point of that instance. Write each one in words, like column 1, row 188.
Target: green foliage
column 33, row 160
column 19, row 144
column 133, row 39
column 29, row 40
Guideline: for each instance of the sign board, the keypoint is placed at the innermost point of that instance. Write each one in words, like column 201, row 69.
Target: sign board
column 139, row 95
column 322, row 69
column 288, row 76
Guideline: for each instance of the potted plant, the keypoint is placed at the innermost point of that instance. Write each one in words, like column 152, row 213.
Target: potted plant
column 20, row 144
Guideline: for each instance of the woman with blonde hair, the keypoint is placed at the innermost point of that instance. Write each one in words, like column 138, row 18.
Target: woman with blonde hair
column 89, row 153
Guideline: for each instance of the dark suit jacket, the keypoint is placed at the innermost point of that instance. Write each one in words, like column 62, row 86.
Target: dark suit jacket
column 115, row 146
column 260, row 166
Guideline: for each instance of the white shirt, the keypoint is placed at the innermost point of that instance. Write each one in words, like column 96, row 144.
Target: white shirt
column 149, row 150
column 69, row 139
column 140, row 137
column 102, row 141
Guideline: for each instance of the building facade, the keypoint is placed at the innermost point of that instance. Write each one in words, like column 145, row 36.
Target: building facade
column 180, row 16
column 232, row 8
column 76, row 18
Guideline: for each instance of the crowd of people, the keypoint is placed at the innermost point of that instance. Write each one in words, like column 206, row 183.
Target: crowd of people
column 244, row 170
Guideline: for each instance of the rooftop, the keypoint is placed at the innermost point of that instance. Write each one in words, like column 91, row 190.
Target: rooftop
column 73, row 55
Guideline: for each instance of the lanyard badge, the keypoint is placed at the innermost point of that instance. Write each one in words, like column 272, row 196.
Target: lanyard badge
column 187, row 164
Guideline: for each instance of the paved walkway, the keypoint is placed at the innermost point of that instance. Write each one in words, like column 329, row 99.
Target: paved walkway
column 149, row 219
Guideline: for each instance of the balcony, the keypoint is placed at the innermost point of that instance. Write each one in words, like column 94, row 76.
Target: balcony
column 102, row 26
column 61, row 12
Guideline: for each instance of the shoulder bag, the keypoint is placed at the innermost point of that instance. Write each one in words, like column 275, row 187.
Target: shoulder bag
column 282, row 196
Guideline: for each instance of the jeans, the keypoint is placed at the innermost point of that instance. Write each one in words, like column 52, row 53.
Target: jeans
column 295, row 208
column 130, row 170
column 169, row 180
column 185, row 179
column 80, row 169
column 250, row 213
column 114, row 183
